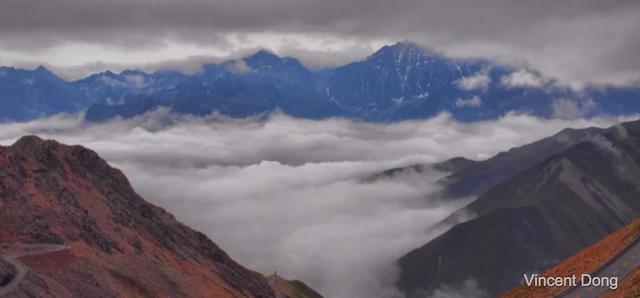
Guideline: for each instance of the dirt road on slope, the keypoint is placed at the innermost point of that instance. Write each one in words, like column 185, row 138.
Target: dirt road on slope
column 11, row 252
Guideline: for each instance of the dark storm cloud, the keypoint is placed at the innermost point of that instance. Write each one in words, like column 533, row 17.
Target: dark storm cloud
column 92, row 19
column 557, row 37
column 82, row 17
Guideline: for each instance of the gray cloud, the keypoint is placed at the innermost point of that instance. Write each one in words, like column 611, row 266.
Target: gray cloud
column 574, row 41
column 572, row 108
column 284, row 194
column 522, row 78
column 477, row 81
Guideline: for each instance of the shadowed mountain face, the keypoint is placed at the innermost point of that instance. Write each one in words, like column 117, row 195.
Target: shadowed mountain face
column 472, row 178
column 119, row 245
column 536, row 218
column 398, row 82
column 481, row 176
column 26, row 94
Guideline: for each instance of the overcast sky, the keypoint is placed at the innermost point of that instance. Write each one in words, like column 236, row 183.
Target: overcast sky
column 576, row 41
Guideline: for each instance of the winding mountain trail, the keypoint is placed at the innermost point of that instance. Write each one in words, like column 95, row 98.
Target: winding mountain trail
column 620, row 266
column 11, row 253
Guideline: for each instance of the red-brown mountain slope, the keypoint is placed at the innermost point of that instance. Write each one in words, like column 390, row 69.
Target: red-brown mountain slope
column 117, row 244
column 589, row 260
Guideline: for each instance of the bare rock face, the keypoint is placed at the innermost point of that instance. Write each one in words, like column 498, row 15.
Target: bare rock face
column 119, row 244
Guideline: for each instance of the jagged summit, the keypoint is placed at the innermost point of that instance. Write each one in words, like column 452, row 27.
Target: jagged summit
column 44, row 73
column 403, row 51
column 135, row 71
column 400, row 46
column 263, row 58
column 29, row 146
column 42, row 69
column 28, row 141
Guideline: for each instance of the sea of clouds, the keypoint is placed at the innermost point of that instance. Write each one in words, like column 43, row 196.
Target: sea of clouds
column 287, row 195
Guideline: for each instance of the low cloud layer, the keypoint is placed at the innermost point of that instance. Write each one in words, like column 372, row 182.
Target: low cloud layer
column 522, row 79
column 572, row 108
column 478, row 81
column 284, row 194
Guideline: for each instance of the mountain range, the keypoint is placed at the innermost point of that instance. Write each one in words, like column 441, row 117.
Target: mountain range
column 537, row 205
column 398, row 82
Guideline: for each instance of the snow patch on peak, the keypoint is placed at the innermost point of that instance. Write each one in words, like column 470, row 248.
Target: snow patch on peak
column 473, row 102
column 423, row 95
column 398, row 100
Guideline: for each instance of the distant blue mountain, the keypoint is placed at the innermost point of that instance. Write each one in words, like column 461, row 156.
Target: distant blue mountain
column 254, row 85
column 29, row 94
column 398, row 82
